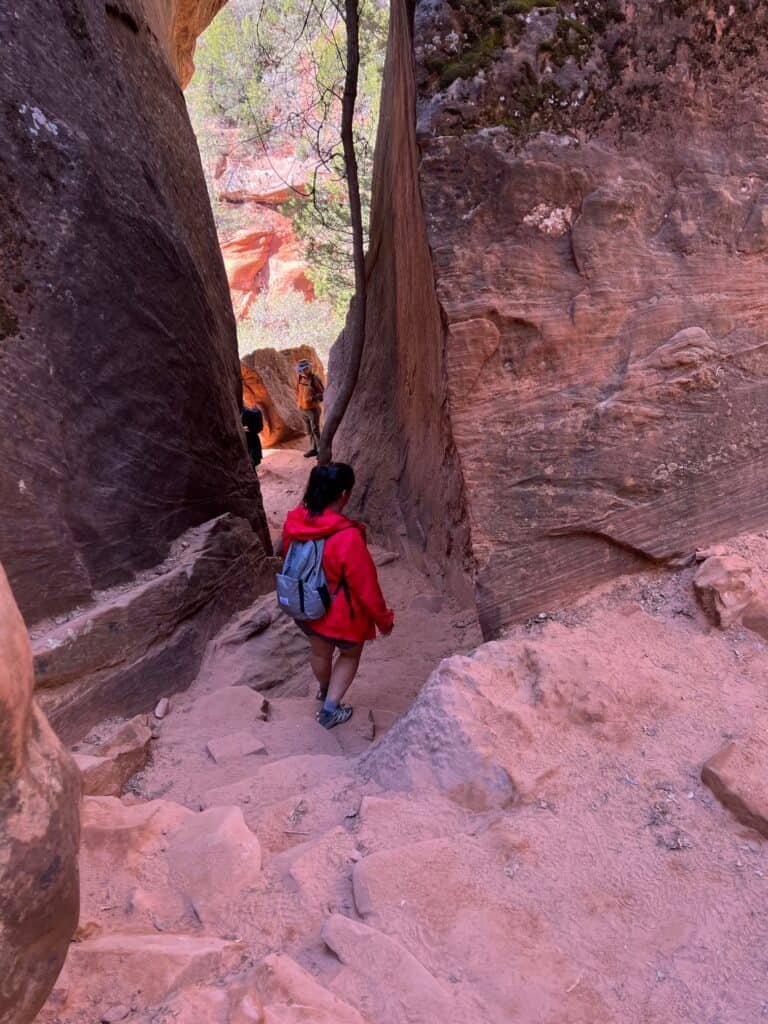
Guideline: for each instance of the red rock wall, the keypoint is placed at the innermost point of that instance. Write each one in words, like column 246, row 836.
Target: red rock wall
column 119, row 381
column 39, row 832
column 595, row 211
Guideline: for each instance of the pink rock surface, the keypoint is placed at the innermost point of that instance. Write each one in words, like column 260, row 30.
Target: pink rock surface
column 738, row 776
column 213, row 859
column 148, row 967
column 39, row 832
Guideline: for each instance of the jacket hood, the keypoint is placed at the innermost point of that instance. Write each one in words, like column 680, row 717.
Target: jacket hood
column 300, row 525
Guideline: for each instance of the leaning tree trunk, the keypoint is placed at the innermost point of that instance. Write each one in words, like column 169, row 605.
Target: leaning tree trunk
column 354, row 329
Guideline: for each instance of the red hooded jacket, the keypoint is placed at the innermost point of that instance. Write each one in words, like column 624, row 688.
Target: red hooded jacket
column 345, row 557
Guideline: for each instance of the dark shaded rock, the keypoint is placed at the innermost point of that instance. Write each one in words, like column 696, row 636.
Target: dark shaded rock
column 119, row 383
column 141, row 642
column 39, row 833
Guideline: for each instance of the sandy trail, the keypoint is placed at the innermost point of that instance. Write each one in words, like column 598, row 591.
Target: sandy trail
column 527, row 841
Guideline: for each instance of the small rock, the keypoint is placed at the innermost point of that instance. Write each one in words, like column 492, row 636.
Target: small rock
column 737, row 776
column 162, row 708
column 114, row 1014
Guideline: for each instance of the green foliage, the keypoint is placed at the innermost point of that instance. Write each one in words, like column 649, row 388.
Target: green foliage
column 274, row 74
column 228, row 81
column 287, row 321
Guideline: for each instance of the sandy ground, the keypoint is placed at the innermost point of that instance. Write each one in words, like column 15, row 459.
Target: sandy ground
column 531, row 842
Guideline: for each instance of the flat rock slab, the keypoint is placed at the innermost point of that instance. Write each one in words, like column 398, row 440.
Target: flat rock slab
column 382, row 977
column 738, row 776
column 235, row 745
column 145, row 640
column 122, row 967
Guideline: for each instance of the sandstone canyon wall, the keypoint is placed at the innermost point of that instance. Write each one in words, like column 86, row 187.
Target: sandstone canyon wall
column 119, row 376
column 594, row 185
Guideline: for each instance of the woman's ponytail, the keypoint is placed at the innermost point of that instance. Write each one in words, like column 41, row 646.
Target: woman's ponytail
column 326, row 484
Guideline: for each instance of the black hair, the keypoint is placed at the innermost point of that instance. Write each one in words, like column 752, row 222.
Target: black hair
column 326, row 484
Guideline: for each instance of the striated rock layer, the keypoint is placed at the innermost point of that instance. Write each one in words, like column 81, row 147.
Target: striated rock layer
column 136, row 644
column 39, row 831
column 119, row 380
column 594, row 187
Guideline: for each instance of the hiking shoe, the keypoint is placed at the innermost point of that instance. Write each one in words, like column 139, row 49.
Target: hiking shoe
column 321, row 694
column 311, row 453
column 338, row 716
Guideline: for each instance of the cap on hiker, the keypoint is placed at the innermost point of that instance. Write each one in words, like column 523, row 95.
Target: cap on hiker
column 303, row 364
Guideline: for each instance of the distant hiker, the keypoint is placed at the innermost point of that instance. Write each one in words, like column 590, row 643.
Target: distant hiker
column 330, row 586
column 309, row 398
column 253, row 424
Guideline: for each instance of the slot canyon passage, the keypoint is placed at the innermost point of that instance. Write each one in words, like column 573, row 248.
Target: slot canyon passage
column 551, row 803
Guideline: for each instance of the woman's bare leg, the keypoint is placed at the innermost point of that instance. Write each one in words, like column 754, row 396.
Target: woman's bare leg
column 321, row 660
column 343, row 672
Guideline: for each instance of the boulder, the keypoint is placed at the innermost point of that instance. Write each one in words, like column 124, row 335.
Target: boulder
column 105, row 767
column 738, row 776
column 121, row 833
column 269, row 382
column 134, row 358
column 144, row 969
column 235, row 745
column 283, row 984
column 453, row 739
column 732, row 591
column 261, row 648
column 140, row 642
column 725, row 586
column 383, row 979
column 214, row 859
column 39, row 832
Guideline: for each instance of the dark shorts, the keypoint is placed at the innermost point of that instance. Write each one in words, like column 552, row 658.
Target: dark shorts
column 343, row 645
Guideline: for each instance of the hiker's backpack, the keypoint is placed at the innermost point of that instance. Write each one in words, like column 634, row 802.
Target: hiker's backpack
column 302, row 589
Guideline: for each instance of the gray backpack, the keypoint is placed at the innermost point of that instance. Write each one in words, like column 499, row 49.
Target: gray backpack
column 302, row 589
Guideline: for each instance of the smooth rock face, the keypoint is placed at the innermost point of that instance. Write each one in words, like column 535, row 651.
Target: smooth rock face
column 269, row 382
column 140, row 642
column 594, row 204
column 119, row 379
column 39, row 833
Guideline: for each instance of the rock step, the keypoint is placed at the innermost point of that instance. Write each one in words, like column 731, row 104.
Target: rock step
column 144, row 968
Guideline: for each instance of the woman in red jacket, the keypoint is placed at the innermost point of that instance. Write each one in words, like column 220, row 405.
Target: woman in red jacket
column 358, row 606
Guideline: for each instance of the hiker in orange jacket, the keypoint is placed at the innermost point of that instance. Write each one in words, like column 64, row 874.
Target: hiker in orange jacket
column 358, row 606
column 309, row 398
